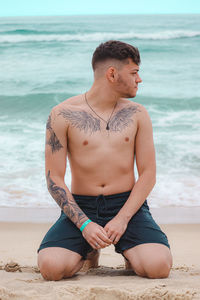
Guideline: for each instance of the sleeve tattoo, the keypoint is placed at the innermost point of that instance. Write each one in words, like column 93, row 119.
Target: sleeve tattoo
column 53, row 141
column 67, row 204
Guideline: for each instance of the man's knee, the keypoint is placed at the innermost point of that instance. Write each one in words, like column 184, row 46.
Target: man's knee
column 52, row 268
column 150, row 260
column 157, row 268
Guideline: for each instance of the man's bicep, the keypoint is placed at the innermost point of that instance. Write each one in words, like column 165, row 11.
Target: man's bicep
column 144, row 145
column 56, row 145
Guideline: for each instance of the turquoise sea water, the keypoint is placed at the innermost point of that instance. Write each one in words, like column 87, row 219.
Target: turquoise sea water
column 45, row 60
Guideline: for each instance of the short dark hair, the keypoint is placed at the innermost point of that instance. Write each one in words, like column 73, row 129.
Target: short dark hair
column 115, row 50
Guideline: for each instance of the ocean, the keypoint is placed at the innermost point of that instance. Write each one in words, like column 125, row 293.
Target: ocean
column 45, row 60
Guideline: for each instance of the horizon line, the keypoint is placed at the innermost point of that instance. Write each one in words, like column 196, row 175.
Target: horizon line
column 101, row 14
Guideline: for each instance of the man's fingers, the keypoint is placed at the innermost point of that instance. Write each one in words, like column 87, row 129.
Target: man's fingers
column 98, row 244
column 103, row 235
column 106, row 229
column 95, row 245
column 112, row 237
column 102, row 242
column 97, row 237
column 104, row 238
column 103, row 231
column 116, row 239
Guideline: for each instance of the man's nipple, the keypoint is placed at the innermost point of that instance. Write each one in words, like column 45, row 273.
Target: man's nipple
column 126, row 139
column 85, row 143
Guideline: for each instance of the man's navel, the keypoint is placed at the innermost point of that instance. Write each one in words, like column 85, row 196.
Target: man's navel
column 126, row 139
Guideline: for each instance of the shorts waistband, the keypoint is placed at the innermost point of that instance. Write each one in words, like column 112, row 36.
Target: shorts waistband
column 101, row 201
column 107, row 197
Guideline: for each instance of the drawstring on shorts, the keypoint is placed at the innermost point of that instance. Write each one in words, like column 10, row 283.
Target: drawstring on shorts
column 99, row 201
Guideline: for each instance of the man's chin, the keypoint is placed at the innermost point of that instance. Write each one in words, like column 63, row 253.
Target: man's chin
column 130, row 95
column 133, row 95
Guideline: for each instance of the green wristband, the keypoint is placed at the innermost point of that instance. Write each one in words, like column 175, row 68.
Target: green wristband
column 85, row 224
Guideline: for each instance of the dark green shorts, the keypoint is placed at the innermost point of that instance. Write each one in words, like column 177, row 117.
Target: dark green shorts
column 141, row 228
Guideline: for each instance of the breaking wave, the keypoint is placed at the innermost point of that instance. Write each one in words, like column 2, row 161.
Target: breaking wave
column 21, row 36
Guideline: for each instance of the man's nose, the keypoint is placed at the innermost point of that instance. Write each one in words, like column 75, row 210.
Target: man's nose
column 138, row 78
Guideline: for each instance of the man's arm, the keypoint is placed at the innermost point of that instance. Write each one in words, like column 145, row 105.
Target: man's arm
column 55, row 167
column 146, row 166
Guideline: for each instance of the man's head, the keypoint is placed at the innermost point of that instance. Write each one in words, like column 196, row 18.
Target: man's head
column 118, row 62
column 115, row 50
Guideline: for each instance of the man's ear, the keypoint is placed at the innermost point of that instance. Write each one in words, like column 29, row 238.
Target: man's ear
column 111, row 74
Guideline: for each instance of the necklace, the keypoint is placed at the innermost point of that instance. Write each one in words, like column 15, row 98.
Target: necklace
column 107, row 122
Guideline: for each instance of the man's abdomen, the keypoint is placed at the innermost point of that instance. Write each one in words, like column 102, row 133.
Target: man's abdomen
column 109, row 176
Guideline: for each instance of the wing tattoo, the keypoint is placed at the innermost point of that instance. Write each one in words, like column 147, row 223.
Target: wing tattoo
column 123, row 118
column 82, row 120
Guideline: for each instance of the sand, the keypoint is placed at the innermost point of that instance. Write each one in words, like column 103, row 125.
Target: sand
column 20, row 278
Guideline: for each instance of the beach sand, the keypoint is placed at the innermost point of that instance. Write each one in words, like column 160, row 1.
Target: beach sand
column 20, row 278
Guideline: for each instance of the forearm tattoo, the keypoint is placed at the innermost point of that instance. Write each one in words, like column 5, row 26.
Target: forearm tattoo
column 67, row 204
column 53, row 141
column 85, row 121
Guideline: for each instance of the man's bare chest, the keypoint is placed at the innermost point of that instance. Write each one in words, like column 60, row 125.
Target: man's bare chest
column 87, row 131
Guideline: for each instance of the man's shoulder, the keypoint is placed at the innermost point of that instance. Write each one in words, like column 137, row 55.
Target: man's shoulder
column 138, row 105
column 70, row 103
column 135, row 105
column 141, row 114
column 59, row 115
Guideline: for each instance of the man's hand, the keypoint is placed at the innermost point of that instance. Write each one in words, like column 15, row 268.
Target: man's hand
column 115, row 229
column 96, row 236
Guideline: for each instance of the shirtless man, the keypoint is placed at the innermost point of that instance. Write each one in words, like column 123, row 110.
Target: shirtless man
column 102, row 132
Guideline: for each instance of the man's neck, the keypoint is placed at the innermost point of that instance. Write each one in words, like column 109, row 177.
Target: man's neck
column 102, row 98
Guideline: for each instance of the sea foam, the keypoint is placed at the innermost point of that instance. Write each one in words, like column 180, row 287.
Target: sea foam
column 97, row 36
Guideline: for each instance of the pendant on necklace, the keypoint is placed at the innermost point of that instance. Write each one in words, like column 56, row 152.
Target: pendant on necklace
column 107, row 127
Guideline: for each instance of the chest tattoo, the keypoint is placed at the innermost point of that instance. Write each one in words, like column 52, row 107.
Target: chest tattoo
column 123, row 118
column 85, row 121
column 82, row 120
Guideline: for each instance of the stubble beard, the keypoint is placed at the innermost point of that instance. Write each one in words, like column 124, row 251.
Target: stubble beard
column 123, row 89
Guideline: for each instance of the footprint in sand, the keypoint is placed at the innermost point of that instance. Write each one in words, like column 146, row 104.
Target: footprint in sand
column 182, row 268
column 14, row 267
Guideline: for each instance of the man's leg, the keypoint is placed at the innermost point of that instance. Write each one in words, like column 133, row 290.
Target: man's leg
column 62, row 250
column 92, row 260
column 56, row 263
column 150, row 260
